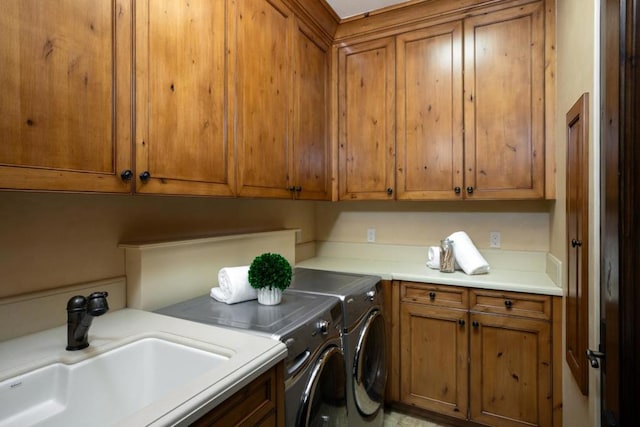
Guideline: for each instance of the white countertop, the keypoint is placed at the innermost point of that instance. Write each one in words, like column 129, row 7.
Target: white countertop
column 536, row 282
column 249, row 356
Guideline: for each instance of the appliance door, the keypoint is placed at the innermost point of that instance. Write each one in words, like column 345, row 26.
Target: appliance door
column 370, row 365
column 324, row 398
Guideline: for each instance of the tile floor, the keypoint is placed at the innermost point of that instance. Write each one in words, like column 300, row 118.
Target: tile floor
column 398, row 419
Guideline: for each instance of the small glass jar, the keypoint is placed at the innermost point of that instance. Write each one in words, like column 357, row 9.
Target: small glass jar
column 446, row 256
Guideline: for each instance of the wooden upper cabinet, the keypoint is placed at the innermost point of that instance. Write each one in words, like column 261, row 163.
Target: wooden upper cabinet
column 65, row 113
column 181, row 97
column 504, row 103
column 264, row 80
column 429, row 110
column 366, row 120
column 310, row 160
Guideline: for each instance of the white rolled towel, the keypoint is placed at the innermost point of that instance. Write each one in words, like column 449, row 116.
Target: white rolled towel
column 467, row 255
column 233, row 285
column 433, row 257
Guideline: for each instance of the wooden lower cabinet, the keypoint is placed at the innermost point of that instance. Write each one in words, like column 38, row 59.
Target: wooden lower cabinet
column 433, row 356
column 509, row 371
column 261, row 403
column 477, row 355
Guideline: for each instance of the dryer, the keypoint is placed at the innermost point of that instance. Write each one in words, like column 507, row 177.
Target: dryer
column 363, row 337
column 310, row 327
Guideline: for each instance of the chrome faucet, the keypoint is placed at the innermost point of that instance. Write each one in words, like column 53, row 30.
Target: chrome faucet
column 80, row 314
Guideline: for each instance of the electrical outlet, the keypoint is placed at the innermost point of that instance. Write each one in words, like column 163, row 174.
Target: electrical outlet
column 494, row 239
column 371, row 235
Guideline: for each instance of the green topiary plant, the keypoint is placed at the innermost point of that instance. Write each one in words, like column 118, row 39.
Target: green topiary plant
column 270, row 271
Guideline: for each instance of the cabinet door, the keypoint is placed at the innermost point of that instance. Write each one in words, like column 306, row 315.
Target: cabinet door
column 65, row 111
column 263, row 80
column 366, row 117
column 429, row 111
column 310, row 160
column 504, row 104
column 510, row 371
column 433, row 359
column 181, row 128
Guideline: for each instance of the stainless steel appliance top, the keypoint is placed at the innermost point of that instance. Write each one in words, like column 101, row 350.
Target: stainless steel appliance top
column 274, row 321
column 357, row 292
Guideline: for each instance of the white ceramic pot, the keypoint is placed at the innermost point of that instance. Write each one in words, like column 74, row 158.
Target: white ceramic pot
column 268, row 296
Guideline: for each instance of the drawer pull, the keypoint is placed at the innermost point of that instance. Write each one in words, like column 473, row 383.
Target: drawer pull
column 432, row 295
column 508, row 303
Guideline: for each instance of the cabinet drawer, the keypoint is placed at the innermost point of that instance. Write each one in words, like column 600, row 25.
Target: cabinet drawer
column 438, row 295
column 511, row 303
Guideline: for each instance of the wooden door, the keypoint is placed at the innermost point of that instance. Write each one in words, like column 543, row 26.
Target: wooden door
column 433, row 358
column 366, row 118
column 429, row 111
column 263, row 82
column 310, row 148
column 182, row 144
column 65, row 109
column 504, row 104
column 510, row 371
column 577, row 194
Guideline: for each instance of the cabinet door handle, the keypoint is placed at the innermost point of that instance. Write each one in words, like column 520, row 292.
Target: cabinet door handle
column 593, row 357
column 126, row 175
column 461, row 322
column 298, row 189
column 457, row 190
column 389, row 191
column 292, row 188
column 575, row 243
column 432, row 295
column 144, row 176
column 475, row 324
column 508, row 303
column 469, row 189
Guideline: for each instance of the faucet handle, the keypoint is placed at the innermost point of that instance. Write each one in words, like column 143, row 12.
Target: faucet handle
column 97, row 303
column 76, row 303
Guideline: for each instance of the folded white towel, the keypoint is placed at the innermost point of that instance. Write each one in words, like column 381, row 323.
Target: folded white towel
column 233, row 285
column 433, row 257
column 467, row 255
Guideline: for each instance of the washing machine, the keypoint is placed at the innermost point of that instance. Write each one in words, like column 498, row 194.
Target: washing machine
column 363, row 337
column 311, row 327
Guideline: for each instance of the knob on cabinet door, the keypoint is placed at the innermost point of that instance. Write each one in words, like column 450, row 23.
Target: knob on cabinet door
column 144, row 176
column 126, row 175
column 389, row 191
column 469, row 189
column 475, row 324
column 461, row 322
column 457, row 190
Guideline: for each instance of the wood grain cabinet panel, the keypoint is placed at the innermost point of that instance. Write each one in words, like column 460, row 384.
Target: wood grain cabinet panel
column 429, row 109
column 510, row 371
column 260, row 403
column 433, row 358
column 366, row 120
column 504, row 103
column 65, row 114
column 310, row 160
column 263, row 90
column 181, row 99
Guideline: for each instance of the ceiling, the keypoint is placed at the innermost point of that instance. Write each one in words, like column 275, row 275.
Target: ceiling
column 346, row 8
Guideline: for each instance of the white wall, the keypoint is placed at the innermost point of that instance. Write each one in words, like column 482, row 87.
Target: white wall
column 577, row 72
column 50, row 240
column 523, row 225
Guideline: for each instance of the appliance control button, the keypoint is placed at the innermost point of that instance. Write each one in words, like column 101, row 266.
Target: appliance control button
column 371, row 295
column 323, row 326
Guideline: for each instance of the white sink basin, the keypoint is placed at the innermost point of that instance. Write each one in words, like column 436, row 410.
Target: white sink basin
column 104, row 389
